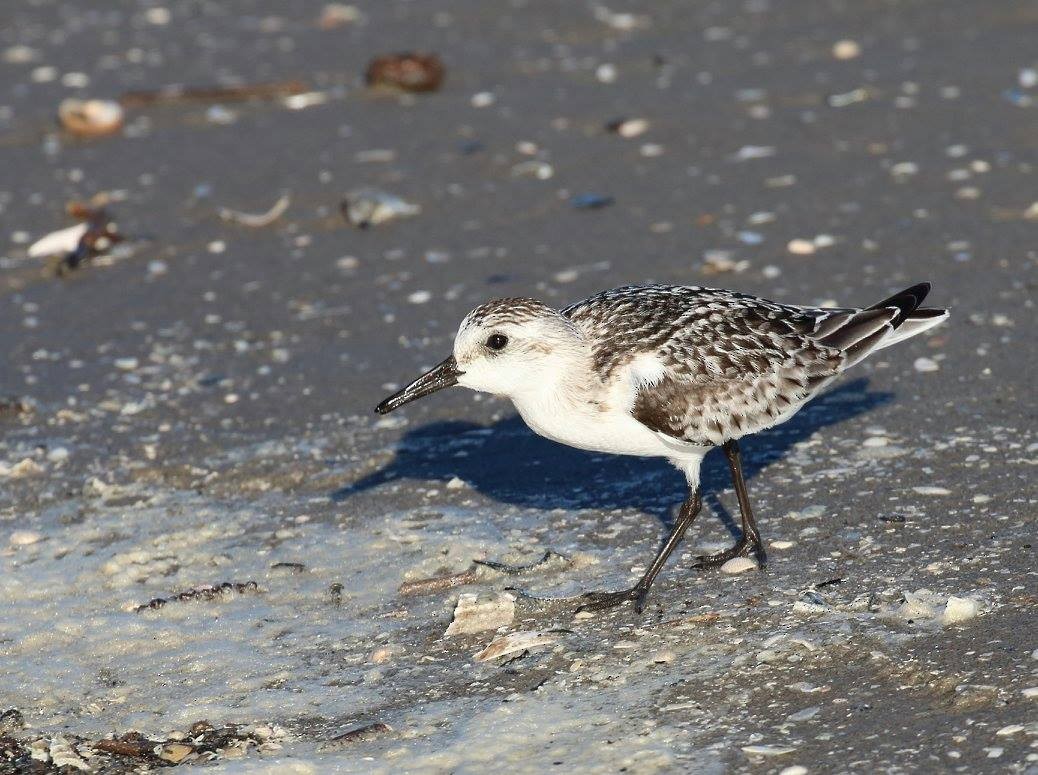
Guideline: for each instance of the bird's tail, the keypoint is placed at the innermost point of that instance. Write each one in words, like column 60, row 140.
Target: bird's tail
column 912, row 318
column 857, row 334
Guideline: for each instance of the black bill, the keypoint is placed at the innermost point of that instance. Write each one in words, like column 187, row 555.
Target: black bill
column 441, row 375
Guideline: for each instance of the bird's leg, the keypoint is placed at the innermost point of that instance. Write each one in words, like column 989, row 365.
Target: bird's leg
column 596, row 601
column 750, row 538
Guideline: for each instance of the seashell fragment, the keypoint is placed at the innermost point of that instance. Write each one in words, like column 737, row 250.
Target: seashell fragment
column 476, row 613
column 767, row 750
column 959, row 609
column 58, row 242
column 369, row 207
column 24, row 538
column 738, row 565
column 257, row 220
column 90, row 118
column 338, row 15
column 628, row 127
column 533, row 169
column 359, row 735
column 411, row 71
column 513, row 643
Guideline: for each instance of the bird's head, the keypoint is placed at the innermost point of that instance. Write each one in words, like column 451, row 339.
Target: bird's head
column 506, row 347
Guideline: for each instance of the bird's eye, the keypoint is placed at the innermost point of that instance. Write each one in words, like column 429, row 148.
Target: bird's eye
column 497, row 341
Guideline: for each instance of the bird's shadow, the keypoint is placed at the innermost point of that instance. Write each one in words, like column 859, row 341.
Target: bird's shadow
column 509, row 463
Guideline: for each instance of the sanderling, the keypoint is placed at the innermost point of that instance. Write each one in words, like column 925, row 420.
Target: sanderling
column 666, row 371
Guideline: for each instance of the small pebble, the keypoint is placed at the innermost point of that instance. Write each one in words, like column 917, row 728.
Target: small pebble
column 846, row 49
column 533, row 169
column 904, row 169
column 90, row 118
column 591, row 201
column 628, row 127
column 801, row 247
column 796, row 769
column 20, row 55
column 58, row 455
column 876, row 441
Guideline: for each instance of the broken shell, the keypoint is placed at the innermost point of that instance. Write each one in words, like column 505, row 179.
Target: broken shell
column 358, row 735
column 767, row 750
column 58, row 242
column 408, row 71
column 801, row 247
column 257, row 220
column 738, row 565
column 717, row 261
column 339, row 14
column 90, row 118
column 959, row 609
column 175, row 753
column 513, row 643
column 369, row 207
column 846, row 49
column 628, row 127
column 476, row 613
column 533, row 169
column 24, row 538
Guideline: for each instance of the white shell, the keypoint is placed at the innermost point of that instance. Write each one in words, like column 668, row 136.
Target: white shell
column 738, row 565
column 475, row 613
column 514, row 642
column 370, row 207
column 959, row 609
column 24, row 538
column 57, row 242
column 90, row 117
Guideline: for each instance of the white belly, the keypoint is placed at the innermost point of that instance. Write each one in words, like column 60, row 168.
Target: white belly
column 599, row 431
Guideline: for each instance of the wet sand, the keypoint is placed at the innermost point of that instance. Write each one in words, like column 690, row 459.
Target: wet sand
column 198, row 405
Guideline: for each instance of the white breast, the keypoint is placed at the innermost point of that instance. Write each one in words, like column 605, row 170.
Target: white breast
column 598, row 417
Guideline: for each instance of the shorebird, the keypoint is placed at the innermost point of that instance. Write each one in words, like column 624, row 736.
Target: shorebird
column 666, row 371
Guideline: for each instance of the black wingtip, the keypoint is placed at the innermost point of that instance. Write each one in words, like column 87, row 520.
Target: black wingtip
column 907, row 302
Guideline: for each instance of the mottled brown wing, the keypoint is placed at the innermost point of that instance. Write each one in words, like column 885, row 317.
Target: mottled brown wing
column 735, row 371
column 732, row 363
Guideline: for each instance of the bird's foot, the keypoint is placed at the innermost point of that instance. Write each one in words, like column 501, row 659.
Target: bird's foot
column 600, row 601
column 549, row 557
column 743, row 547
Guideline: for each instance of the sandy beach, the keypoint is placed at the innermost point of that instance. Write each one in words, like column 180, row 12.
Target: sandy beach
column 203, row 520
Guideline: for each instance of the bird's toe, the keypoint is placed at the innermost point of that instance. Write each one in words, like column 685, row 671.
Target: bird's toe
column 600, row 601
